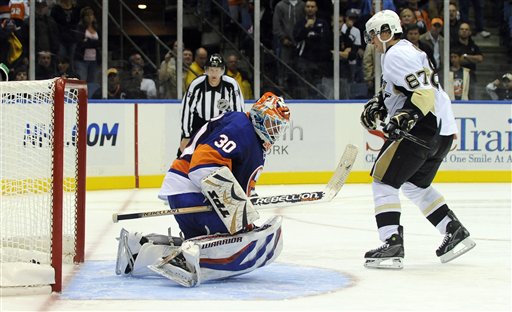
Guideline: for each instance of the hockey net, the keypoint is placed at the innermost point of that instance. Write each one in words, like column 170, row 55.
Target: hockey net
column 43, row 142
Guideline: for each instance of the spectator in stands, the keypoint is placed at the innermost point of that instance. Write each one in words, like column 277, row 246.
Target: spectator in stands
column 478, row 9
column 67, row 16
column 21, row 73
column 197, row 67
column 88, row 53
column 137, row 60
column 286, row 14
column 471, row 54
column 422, row 18
column 407, row 17
column 459, row 78
column 44, row 67
column 139, row 87
column 266, row 17
column 435, row 41
column 434, row 8
column 235, row 73
column 188, row 59
column 13, row 43
column 167, row 74
column 312, row 35
column 64, row 69
column 412, row 33
column 46, row 31
column 369, row 68
column 115, row 89
column 356, row 52
column 368, row 9
column 239, row 11
column 500, row 89
column 19, row 10
column 454, row 22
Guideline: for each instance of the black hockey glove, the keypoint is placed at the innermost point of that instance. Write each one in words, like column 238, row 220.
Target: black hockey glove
column 373, row 110
column 402, row 121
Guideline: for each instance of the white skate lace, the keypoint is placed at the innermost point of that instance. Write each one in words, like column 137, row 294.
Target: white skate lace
column 386, row 245
column 445, row 240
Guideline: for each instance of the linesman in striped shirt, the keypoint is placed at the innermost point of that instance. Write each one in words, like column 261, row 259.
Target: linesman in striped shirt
column 208, row 96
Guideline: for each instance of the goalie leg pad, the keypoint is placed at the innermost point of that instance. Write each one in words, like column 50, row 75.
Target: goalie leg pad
column 229, row 200
column 220, row 256
column 223, row 256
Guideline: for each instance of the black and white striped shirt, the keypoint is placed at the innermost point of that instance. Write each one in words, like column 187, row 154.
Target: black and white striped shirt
column 201, row 102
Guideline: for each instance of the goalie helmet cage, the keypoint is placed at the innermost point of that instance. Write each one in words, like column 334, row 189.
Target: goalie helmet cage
column 43, row 167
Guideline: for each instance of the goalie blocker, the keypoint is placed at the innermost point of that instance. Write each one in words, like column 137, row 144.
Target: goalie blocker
column 229, row 200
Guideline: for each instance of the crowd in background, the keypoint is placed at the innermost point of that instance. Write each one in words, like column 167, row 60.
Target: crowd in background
column 299, row 35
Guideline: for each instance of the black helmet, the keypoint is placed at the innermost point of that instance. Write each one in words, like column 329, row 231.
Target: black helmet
column 215, row 61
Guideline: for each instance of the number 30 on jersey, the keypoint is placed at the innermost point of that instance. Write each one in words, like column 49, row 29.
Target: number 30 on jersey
column 225, row 144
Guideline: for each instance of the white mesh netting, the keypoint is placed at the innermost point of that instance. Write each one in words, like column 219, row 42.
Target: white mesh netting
column 27, row 110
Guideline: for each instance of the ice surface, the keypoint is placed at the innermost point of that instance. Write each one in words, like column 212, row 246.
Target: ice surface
column 321, row 266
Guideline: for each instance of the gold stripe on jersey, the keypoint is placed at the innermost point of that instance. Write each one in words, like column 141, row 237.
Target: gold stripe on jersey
column 425, row 100
column 394, row 207
column 433, row 206
column 382, row 164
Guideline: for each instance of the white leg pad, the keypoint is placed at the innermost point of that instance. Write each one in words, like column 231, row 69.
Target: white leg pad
column 220, row 256
column 226, row 256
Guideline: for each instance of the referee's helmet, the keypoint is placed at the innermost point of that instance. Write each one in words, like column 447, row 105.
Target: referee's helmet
column 216, row 60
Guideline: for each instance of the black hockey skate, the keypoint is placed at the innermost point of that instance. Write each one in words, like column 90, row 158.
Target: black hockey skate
column 456, row 241
column 388, row 256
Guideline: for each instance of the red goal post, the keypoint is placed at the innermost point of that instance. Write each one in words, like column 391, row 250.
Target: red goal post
column 43, row 168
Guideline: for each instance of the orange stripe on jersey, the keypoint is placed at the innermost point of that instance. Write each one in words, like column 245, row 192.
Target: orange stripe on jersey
column 204, row 154
column 181, row 165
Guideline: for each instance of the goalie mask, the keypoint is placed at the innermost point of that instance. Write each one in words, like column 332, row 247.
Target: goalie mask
column 269, row 116
column 386, row 20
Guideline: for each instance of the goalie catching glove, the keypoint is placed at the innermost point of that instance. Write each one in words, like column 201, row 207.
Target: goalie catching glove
column 400, row 123
column 374, row 110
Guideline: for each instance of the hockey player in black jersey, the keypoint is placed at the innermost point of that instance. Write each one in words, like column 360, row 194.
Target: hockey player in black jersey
column 410, row 102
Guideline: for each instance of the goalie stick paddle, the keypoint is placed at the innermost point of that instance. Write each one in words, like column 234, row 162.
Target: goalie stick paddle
column 332, row 189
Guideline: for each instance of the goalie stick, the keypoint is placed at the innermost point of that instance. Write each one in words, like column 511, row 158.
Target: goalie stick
column 331, row 190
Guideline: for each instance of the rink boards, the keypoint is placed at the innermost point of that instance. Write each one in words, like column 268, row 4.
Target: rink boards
column 132, row 144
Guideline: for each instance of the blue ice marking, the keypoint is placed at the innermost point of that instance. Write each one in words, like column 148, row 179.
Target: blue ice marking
column 96, row 280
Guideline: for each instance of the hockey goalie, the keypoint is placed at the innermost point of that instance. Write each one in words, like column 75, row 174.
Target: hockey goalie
column 219, row 167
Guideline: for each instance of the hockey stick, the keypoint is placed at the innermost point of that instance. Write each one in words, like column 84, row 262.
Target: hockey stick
column 331, row 190
column 410, row 137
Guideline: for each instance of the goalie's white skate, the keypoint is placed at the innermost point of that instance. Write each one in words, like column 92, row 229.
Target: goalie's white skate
column 129, row 245
column 181, row 266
